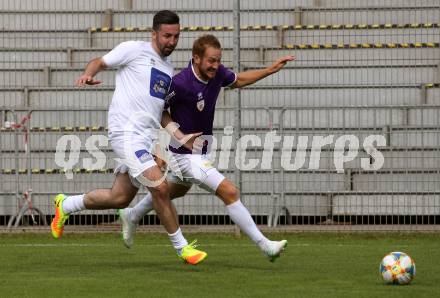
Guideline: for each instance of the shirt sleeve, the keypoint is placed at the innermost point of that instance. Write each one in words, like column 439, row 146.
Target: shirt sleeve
column 121, row 54
column 229, row 77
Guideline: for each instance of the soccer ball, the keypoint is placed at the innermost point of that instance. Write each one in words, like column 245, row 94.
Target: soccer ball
column 397, row 268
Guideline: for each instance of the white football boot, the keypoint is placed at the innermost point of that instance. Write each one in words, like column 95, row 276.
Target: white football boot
column 128, row 227
column 273, row 249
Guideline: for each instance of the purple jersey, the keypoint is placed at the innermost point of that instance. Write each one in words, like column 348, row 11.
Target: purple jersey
column 192, row 100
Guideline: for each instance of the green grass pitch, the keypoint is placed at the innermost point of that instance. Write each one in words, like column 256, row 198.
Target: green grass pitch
column 313, row 265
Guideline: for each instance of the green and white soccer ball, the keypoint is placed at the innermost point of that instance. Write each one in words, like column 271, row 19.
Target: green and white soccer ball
column 397, row 268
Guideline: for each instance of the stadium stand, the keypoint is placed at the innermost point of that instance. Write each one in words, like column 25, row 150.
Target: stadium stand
column 362, row 69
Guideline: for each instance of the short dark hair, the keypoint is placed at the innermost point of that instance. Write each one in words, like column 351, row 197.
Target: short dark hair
column 204, row 41
column 164, row 17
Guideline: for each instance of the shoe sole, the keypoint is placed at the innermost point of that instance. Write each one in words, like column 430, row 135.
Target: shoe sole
column 198, row 262
column 54, row 234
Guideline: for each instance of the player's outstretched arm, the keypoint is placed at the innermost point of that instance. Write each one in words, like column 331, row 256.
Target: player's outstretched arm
column 92, row 68
column 189, row 141
column 249, row 77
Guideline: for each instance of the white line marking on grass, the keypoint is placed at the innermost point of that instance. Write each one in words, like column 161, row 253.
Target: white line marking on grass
column 168, row 245
column 113, row 245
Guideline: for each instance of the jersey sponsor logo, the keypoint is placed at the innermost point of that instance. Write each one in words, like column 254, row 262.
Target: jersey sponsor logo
column 159, row 83
column 143, row 155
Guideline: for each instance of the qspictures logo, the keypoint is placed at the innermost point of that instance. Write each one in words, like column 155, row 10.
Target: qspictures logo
column 295, row 152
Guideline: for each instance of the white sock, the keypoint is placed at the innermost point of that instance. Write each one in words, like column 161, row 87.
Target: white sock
column 242, row 218
column 178, row 241
column 144, row 206
column 73, row 204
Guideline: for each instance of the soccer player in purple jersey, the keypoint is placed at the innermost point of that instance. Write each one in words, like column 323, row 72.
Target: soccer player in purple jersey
column 191, row 101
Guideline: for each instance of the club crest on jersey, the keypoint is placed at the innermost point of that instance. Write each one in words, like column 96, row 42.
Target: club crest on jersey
column 200, row 105
column 200, row 101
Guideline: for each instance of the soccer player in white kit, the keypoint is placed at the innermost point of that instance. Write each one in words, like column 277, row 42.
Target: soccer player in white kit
column 142, row 82
column 192, row 99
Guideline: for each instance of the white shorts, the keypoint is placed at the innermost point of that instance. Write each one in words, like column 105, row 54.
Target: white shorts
column 189, row 169
column 133, row 151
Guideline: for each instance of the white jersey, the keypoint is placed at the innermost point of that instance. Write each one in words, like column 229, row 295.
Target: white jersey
column 142, row 82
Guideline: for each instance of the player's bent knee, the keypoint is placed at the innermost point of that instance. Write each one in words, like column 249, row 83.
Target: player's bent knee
column 152, row 183
column 233, row 192
column 230, row 194
column 160, row 191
